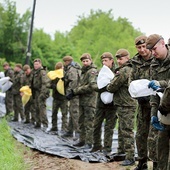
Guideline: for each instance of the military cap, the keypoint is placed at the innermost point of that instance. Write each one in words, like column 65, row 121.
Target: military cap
column 26, row 67
column 5, row 64
column 107, row 55
column 85, row 56
column 67, row 58
column 152, row 40
column 140, row 40
column 58, row 65
column 122, row 53
column 37, row 60
column 18, row 65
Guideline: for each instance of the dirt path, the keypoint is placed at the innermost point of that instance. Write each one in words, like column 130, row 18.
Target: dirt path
column 41, row 161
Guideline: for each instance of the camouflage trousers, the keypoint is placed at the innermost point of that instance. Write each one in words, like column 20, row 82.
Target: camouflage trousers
column 106, row 116
column 18, row 107
column 29, row 110
column 146, row 135
column 40, row 108
column 164, row 149
column 86, row 119
column 73, row 124
column 126, row 140
column 9, row 102
column 62, row 105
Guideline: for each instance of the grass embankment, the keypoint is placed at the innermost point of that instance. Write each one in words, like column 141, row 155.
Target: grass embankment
column 11, row 155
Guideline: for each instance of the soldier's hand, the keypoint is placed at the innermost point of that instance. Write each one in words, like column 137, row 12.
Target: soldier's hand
column 154, row 85
column 156, row 124
column 70, row 95
column 142, row 100
column 163, row 111
column 103, row 89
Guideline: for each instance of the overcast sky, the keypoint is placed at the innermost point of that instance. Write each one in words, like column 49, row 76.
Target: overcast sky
column 149, row 16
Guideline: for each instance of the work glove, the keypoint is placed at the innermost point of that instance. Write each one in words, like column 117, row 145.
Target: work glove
column 103, row 89
column 53, row 86
column 162, row 111
column 70, row 95
column 156, row 124
column 161, row 90
column 154, row 85
column 142, row 100
column 62, row 78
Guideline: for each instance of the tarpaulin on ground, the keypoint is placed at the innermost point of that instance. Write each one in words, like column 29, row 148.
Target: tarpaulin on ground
column 55, row 144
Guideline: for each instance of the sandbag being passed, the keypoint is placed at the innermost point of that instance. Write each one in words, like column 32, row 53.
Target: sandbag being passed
column 104, row 78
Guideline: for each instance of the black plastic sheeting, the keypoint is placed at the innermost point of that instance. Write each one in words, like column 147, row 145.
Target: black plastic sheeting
column 54, row 144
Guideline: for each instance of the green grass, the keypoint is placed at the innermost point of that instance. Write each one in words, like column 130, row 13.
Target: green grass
column 11, row 156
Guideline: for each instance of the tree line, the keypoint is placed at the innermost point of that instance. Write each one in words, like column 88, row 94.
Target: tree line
column 96, row 33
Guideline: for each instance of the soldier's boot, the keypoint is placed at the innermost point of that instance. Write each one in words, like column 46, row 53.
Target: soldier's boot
column 142, row 164
column 96, row 148
column 155, row 165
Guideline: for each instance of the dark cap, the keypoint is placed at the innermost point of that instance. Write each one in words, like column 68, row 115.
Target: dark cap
column 152, row 40
column 140, row 40
column 18, row 65
column 26, row 67
column 122, row 53
column 107, row 55
column 67, row 58
column 85, row 56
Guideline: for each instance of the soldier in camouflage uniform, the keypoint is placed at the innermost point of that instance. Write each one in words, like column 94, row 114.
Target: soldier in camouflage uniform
column 40, row 93
column 59, row 102
column 72, row 78
column 29, row 108
column 146, row 134
column 125, row 106
column 9, row 96
column 87, row 96
column 17, row 84
column 104, row 111
column 160, row 74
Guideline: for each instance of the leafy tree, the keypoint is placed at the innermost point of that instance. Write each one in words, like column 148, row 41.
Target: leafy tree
column 14, row 30
column 100, row 32
column 43, row 48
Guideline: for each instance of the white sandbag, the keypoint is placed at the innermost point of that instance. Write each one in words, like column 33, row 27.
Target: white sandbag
column 164, row 119
column 104, row 77
column 5, row 84
column 139, row 88
column 2, row 98
column 2, row 74
column 106, row 97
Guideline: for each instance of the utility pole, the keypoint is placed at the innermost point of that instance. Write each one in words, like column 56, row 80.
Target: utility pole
column 28, row 52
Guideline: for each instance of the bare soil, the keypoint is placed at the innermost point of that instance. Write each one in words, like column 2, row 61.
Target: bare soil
column 41, row 161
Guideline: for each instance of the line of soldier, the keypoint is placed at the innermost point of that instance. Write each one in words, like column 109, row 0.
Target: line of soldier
column 86, row 110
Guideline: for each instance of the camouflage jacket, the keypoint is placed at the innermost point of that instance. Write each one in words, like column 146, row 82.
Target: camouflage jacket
column 141, row 67
column 17, row 82
column 9, row 73
column 119, row 86
column 27, row 79
column 72, row 76
column 40, row 82
column 160, row 71
column 86, row 88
